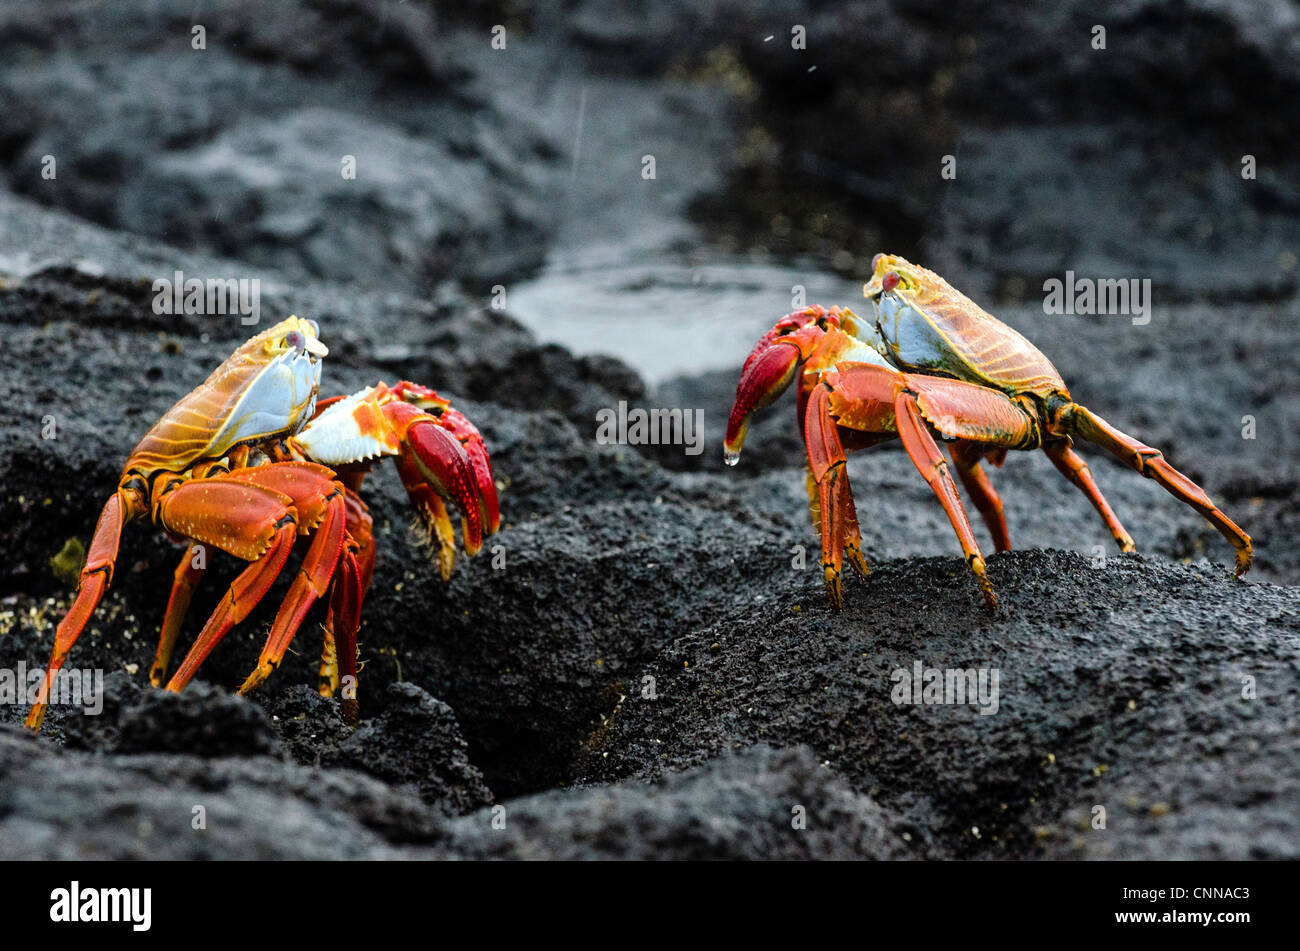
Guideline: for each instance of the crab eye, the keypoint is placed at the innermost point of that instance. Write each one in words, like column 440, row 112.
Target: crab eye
column 890, row 280
column 295, row 339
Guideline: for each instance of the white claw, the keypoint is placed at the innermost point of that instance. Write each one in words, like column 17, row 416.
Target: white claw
column 351, row 430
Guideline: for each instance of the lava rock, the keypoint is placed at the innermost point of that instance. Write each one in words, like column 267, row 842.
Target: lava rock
column 201, row 720
column 416, row 740
column 758, row 804
column 640, row 663
column 440, row 183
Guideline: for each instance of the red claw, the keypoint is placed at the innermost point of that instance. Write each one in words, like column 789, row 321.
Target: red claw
column 770, row 367
column 471, row 441
column 767, row 373
column 458, row 424
column 445, row 465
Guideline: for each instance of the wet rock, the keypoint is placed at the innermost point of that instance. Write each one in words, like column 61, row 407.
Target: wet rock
column 1139, row 176
column 173, row 151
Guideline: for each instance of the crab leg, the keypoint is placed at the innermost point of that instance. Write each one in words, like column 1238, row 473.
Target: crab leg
column 965, row 412
column 803, row 393
column 1081, row 422
column 879, row 400
column 185, row 580
column 1074, row 468
column 319, row 501
column 186, row 577
column 360, row 545
column 837, row 515
column 327, row 679
column 966, row 459
column 925, row 455
column 260, row 526
column 242, row 596
column 356, row 566
column 96, row 576
column 344, row 617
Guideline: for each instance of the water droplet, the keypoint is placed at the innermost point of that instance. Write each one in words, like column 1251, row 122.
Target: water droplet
column 731, row 457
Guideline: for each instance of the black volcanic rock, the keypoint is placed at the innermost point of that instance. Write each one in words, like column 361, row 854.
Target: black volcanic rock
column 641, row 663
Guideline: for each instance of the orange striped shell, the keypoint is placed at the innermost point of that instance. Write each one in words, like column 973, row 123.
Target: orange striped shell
column 216, row 415
column 940, row 331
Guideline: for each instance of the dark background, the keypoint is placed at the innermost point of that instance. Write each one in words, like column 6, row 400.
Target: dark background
column 521, row 169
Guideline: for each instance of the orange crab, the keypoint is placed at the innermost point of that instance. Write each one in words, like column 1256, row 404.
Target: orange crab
column 932, row 362
column 250, row 463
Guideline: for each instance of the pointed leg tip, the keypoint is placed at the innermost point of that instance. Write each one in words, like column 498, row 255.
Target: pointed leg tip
column 255, row 679
column 986, row 586
column 834, row 590
column 1245, row 558
column 990, row 596
column 177, row 683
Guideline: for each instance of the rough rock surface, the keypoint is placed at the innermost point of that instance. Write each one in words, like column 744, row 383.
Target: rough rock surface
column 649, row 668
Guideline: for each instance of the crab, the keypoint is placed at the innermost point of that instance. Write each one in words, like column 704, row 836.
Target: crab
column 250, row 463
column 931, row 362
